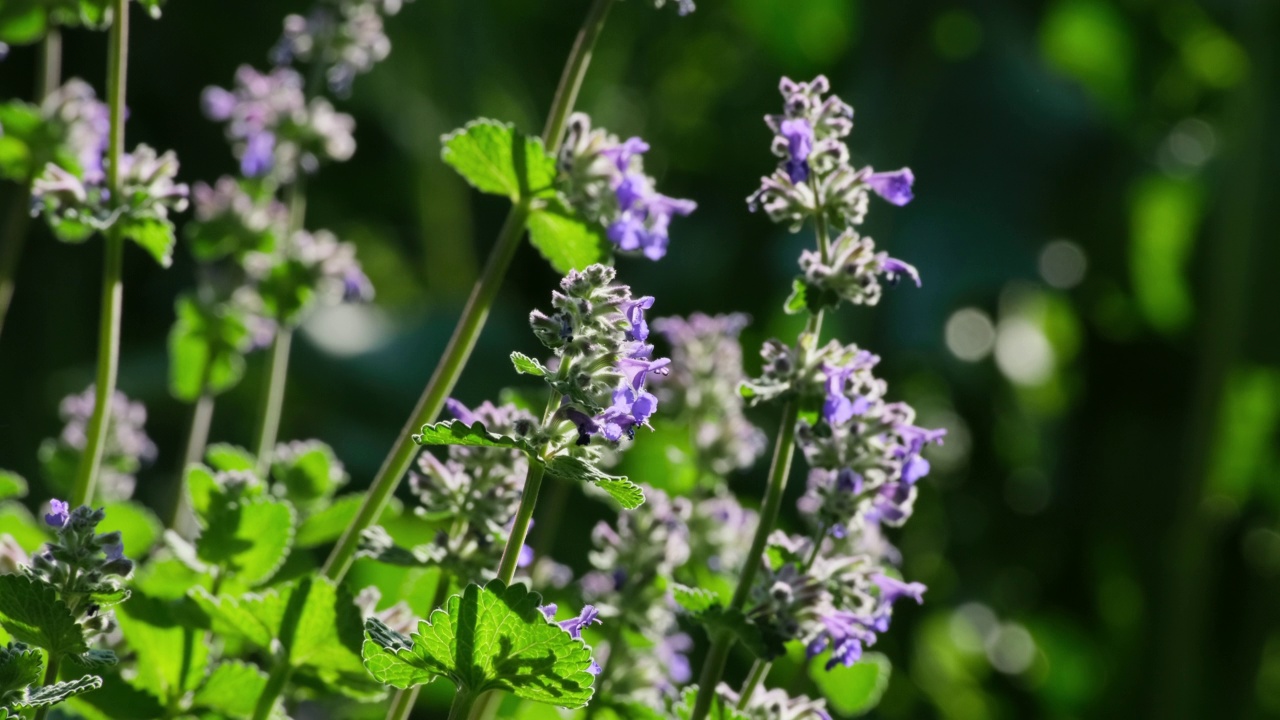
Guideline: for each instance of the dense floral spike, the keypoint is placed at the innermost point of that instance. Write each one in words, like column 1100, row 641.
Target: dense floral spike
column 775, row 704
column 84, row 122
column 603, row 357
column 306, row 268
column 78, row 205
column 85, row 567
column 126, row 450
column 229, row 221
column 634, row 562
column 607, row 183
column 345, row 37
column 275, row 131
column 716, row 529
column 815, row 176
column 477, row 487
column 706, row 369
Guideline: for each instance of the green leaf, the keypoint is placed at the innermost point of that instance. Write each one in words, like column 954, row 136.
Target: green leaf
column 18, row 522
column 12, row 485
column 456, row 432
column 151, row 234
column 250, row 538
column 171, row 659
column 206, row 348
column 232, row 689
column 57, row 692
column 308, row 472
column 490, row 638
column 852, row 690
column 497, row 159
column 695, row 600
column 32, row 613
column 228, row 458
column 20, row 666
column 323, row 620
column 805, row 297
column 526, row 365
column 627, row 493
column 22, row 22
column 565, row 240
column 139, row 527
column 720, row 710
column 328, row 524
column 706, row 607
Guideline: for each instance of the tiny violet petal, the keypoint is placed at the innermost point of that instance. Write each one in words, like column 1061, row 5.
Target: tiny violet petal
column 894, row 186
column 58, row 515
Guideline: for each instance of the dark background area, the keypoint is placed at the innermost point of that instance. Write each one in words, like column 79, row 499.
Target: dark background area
column 1094, row 223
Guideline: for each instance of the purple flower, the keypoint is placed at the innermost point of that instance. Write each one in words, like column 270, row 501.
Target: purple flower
column 548, row 611
column 630, row 408
column 672, row 654
column 895, row 269
column 259, row 154
column 799, row 135
column 893, row 186
column 460, row 411
column 574, row 626
column 914, row 468
column 837, row 408
column 115, row 551
column 846, row 633
column 634, row 312
column 58, row 515
column 525, row 558
column 892, row 590
column 622, row 154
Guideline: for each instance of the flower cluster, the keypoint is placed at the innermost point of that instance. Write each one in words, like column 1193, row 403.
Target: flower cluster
column 345, row 36
column 84, row 123
column 85, row 567
column 865, row 453
column 634, row 561
column 706, row 369
column 76, row 206
column 605, row 180
column 479, row 486
column 717, row 527
column 126, row 449
column 230, row 221
column 274, row 130
column 774, row 704
column 306, row 267
column 600, row 338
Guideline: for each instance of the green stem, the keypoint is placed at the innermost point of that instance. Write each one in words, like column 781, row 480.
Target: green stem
column 280, row 675
column 402, row 703
column 50, row 677
column 759, row 671
column 197, row 440
column 50, row 63
column 112, row 284
column 520, row 526
column 462, row 705
column 273, row 399
column 476, row 311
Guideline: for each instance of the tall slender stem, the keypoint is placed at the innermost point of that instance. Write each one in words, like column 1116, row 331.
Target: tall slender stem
column 463, row 703
column 759, row 671
column 402, row 703
column 279, row 677
column 197, row 439
column 112, row 284
column 779, row 470
column 476, row 311
column 50, row 677
column 520, row 526
column 273, row 399
column 48, row 77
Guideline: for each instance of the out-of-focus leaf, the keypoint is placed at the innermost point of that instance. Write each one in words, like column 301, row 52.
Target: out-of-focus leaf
column 308, row 472
column 171, row 659
column 12, row 485
column 206, row 349
column 1164, row 218
column 151, row 234
column 232, row 689
column 250, row 539
column 1089, row 40
column 852, row 690
column 139, row 527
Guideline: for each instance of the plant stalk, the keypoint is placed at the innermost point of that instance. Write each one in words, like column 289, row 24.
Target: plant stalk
column 463, row 703
column 197, row 439
column 273, row 399
column 759, row 671
column 50, row 677
column 112, row 283
column 520, row 526
column 476, row 311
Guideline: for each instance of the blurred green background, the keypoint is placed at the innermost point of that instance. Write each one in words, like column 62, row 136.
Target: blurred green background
column 1094, row 223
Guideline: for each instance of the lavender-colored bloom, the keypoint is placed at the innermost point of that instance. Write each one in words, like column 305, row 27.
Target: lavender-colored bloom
column 58, row 515
column 894, row 268
column 525, row 558
column 893, row 589
column 894, row 186
column 460, row 411
column 672, row 653
column 634, row 312
column 114, row 551
column 799, row 135
column 607, row 183
column 258, row 154
column 846, row 633
column 574, row 626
